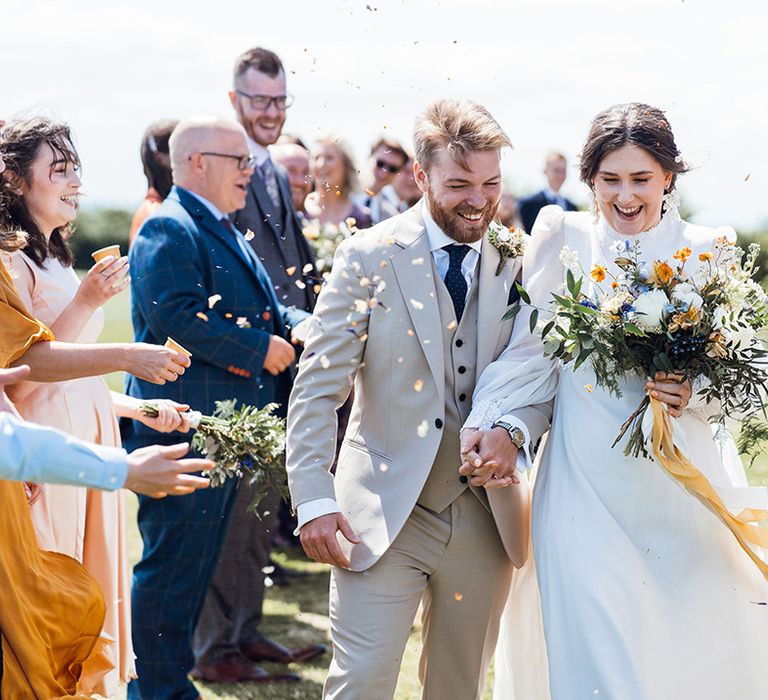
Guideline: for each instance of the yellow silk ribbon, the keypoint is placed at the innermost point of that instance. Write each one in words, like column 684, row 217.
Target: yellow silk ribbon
column 743, row 525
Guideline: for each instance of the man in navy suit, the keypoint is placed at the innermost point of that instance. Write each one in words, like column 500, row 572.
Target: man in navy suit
column 555, row 170
column 196, row 280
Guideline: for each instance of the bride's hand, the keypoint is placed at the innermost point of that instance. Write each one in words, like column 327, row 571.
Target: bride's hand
column 672, row 389
column 489, row 458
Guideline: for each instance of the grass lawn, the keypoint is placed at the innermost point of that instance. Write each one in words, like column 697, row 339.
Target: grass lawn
column 296, row 615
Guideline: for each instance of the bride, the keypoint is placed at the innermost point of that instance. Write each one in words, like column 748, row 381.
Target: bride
column 636, row 591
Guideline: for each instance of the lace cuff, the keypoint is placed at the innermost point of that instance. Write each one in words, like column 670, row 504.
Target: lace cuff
column 484, row 414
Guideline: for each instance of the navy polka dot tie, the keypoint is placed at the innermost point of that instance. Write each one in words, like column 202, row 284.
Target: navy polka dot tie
column 454, row 278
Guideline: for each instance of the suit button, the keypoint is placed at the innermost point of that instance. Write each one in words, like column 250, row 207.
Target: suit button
column 459, row 342
column 463, row 479
column 462, row 397
column 462, row 369
column 438, row 423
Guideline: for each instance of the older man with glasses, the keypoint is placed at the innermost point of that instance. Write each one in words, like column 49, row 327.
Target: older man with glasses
column 186, row 253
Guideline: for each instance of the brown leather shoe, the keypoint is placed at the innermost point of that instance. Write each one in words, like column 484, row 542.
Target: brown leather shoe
column 269, row 650
column 235, row 669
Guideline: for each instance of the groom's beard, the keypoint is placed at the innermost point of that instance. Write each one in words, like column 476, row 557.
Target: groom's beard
column 457, row 228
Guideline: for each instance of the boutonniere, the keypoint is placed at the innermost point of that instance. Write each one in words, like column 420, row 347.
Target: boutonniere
column 510, row 242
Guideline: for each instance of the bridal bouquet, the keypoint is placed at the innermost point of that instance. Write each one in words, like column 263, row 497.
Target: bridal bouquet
column 699, row 318
column 325, row 238
column 245, row 441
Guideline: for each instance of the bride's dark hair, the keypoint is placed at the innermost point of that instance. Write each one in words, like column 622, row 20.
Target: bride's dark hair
column 20, row 146
column 634, row 124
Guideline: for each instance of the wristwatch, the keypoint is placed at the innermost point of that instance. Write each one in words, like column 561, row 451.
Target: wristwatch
column 515, row 434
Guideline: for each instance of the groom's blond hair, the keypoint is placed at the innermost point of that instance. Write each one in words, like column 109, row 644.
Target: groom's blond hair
column 459, row 126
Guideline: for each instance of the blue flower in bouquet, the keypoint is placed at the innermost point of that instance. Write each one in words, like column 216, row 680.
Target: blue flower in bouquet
column 247, row 462
column 589, row 304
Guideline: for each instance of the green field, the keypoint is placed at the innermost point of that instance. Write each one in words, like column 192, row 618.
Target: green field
column 296, row 615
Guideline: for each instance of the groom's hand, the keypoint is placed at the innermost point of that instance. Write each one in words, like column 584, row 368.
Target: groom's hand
column 489, row 458
column 318, row 538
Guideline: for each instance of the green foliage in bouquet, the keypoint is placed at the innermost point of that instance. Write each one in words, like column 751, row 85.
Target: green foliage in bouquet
column 703, row 325
column 246, row 442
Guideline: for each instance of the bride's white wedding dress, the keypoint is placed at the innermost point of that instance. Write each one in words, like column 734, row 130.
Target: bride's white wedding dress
column 636, row 590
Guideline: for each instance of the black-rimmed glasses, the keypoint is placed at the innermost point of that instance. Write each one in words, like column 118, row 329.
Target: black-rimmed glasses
column 243, row 162
column 262, row 102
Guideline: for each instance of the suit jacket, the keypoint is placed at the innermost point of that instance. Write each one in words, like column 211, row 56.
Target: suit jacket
column 269, row 226
column 377, row 323
column 530, row 206
column 181, row 258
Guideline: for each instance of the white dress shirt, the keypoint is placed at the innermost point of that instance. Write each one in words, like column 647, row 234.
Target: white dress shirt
column 30, row 452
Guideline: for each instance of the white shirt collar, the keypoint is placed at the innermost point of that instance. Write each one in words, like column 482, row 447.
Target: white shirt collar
column 438, row 239
column 256, row 149
column 551, row 194
column 217, row 213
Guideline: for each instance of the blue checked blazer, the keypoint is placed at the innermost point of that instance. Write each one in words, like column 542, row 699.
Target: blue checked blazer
column 182, row 256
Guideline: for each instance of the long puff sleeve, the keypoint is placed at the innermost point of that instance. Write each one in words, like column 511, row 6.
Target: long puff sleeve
column 521, row 376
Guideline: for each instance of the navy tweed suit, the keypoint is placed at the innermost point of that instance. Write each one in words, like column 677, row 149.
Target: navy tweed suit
column 182, row 256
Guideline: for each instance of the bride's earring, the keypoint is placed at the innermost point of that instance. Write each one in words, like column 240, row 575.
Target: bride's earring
column 594, row 208
column 670, row 202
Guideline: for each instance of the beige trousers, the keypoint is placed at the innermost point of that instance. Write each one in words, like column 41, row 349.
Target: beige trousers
column 452, row 561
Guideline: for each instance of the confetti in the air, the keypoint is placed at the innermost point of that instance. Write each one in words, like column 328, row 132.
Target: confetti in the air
column 588, row 387
column 418, row 385
column 422, row 429
column 452, row 325
column 325, row 363
column 202, row 316
column 458, row 596
column 416, row 304
column 249, row 235
column 213, row 300
column 417, row 261
column 290, row 270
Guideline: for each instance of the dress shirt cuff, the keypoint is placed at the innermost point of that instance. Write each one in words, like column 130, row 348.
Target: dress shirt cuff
column 44, row 455
column 310, row 510
column 525, row 453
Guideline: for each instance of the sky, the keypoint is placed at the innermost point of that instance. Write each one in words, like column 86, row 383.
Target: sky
column 360, row 68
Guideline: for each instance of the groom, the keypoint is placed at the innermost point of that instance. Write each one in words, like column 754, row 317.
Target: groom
column 411, row 315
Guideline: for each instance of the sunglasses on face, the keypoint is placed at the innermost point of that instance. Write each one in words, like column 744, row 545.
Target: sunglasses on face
column 383, row 165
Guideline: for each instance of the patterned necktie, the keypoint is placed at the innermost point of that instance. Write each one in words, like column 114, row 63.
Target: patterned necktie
column 267, row 170
column 454, row 278
column 239, row 240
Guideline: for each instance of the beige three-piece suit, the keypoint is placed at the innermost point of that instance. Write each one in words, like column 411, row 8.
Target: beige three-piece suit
column 385, row 323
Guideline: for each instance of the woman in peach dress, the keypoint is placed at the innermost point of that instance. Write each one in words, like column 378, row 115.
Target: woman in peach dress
column 42, row 184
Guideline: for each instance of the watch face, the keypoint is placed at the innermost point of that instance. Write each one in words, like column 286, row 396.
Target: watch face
column 518, row 437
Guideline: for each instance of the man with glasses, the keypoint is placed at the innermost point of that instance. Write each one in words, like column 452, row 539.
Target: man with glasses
column 387, row 159
column 227, row 642
column 196, row 280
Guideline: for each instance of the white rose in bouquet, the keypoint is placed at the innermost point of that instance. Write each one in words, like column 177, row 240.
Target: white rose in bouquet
column 649, row 310
column 686, row 294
